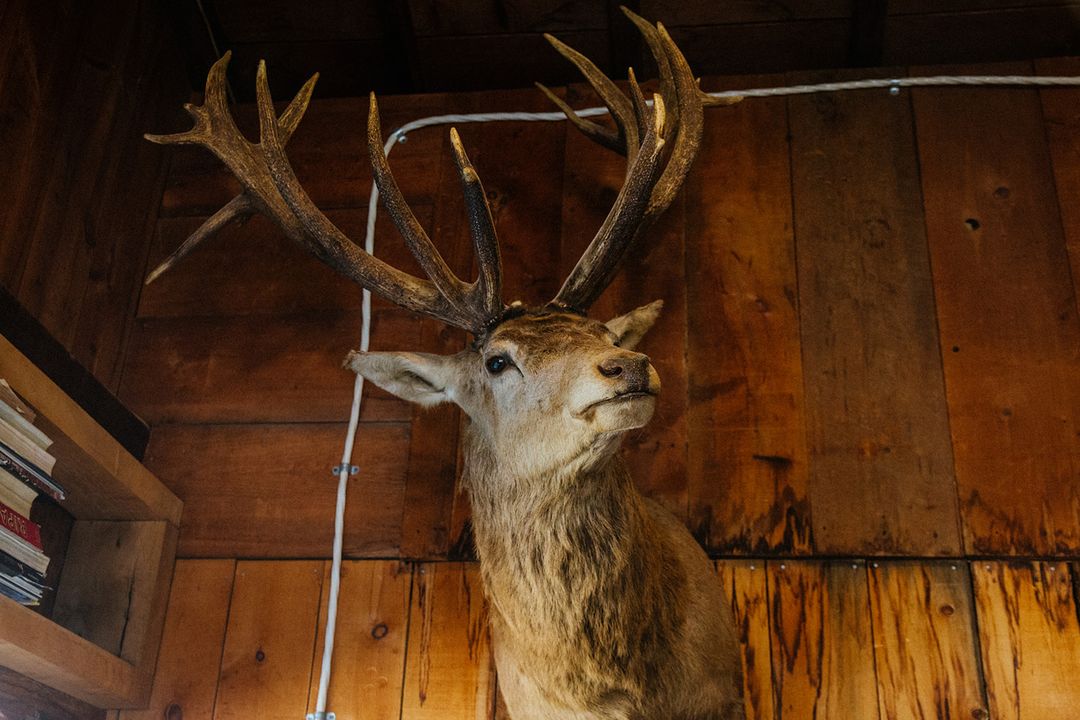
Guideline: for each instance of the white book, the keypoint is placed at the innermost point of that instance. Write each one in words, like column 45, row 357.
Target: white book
column 24, row 552
column 12, row 417
column 25, row 447
column 16, row 494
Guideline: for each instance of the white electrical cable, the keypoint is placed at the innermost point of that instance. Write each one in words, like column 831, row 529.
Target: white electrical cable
column 400, row 135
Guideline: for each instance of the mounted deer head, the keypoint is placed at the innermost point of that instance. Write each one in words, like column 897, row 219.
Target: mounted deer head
column 602, row 603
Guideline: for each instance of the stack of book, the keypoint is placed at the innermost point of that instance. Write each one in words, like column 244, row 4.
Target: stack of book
column 25, row 472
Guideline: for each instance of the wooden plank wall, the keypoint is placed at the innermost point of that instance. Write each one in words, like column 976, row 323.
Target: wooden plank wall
column 821, row 639
column 870, row 343
column 79, row 84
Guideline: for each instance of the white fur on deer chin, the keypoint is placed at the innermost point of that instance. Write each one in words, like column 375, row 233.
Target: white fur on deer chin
column 627, row 411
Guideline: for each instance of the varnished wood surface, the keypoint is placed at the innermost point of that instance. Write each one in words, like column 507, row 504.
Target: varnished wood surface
column 877, row 428
column 1007, row 312
column 80, row 84
column 873, row 639
column 849, row 366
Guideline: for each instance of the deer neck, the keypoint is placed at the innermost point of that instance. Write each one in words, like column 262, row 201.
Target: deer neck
column 593, row 494
column 546, row 543
column 575, row 571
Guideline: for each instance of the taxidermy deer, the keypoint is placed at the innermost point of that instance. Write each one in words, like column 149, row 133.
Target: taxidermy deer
column 602, row 604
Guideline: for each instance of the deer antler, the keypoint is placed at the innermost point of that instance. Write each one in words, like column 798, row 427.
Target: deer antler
column 271, row 188
column 659, row 141
column 653, row 192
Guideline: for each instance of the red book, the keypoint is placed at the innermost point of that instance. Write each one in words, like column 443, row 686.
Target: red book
column 22, row 527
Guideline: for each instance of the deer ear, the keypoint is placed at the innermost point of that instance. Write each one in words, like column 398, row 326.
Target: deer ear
column 417, row 377
column 632, row 326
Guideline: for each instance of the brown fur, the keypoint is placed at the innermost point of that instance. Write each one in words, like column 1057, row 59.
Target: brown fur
column 602, row 604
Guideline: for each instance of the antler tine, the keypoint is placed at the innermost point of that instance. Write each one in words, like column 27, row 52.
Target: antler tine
column 594, row 131
column 456, row 292
column 271, row 187
column 238, row 208
column 622, row 110
column 487, row 290
column 600, row 261
column 648, row 189
column 324, row 240
column 688, row 117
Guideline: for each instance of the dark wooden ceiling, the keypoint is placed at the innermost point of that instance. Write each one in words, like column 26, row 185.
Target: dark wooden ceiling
column 445, row 45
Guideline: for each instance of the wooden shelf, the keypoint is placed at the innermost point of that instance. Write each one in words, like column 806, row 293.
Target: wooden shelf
column 101, row 644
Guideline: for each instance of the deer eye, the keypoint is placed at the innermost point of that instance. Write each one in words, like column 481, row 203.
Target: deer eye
column 496, row 364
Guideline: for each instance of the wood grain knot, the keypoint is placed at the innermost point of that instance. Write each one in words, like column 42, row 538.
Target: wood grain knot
column 379, row 631
column 946, row 610
column 259, row 655
column 173, row 712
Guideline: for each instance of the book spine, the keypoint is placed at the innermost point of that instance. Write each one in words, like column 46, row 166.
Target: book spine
column 30, row 475
column 12, row 417
column 26, row 447
column 23, row 527
column 13, row 567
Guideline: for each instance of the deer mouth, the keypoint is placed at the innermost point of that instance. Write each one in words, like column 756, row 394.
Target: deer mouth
column 628, row 396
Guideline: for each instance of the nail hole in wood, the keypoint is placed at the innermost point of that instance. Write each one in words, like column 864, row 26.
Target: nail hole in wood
column 174, row 712
column 1001, row 193
column 259, row 655
column 956, row 348
column 947, row 610
column 972, row 224
column 379, row 631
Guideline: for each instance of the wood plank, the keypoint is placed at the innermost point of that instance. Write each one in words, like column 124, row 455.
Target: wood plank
column 1029, row 637
column 1062, row 123
column 42, row 650
column 765, row 47
column 47, row 39
column 430, row 17
column 369, row 646
column 21, row 697
column 982, row 36
column 188, row 664
column 268, row 490
column 747, row 458
column 924, row 641
column 918, row 7
column 592, row 178
column 746, row 587
column 122, row 222
column 522, row 57
column 259, row 369
column 1010, row 367
column 876, row 414
column 704, row 12
column 286, row 21
column 449, row 672
column 57, row 262
column 822, row 650
column 269, row 641
column 115, row 573
column 103, row 480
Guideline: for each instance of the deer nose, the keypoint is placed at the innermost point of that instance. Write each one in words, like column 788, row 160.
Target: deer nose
column 633, row 368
